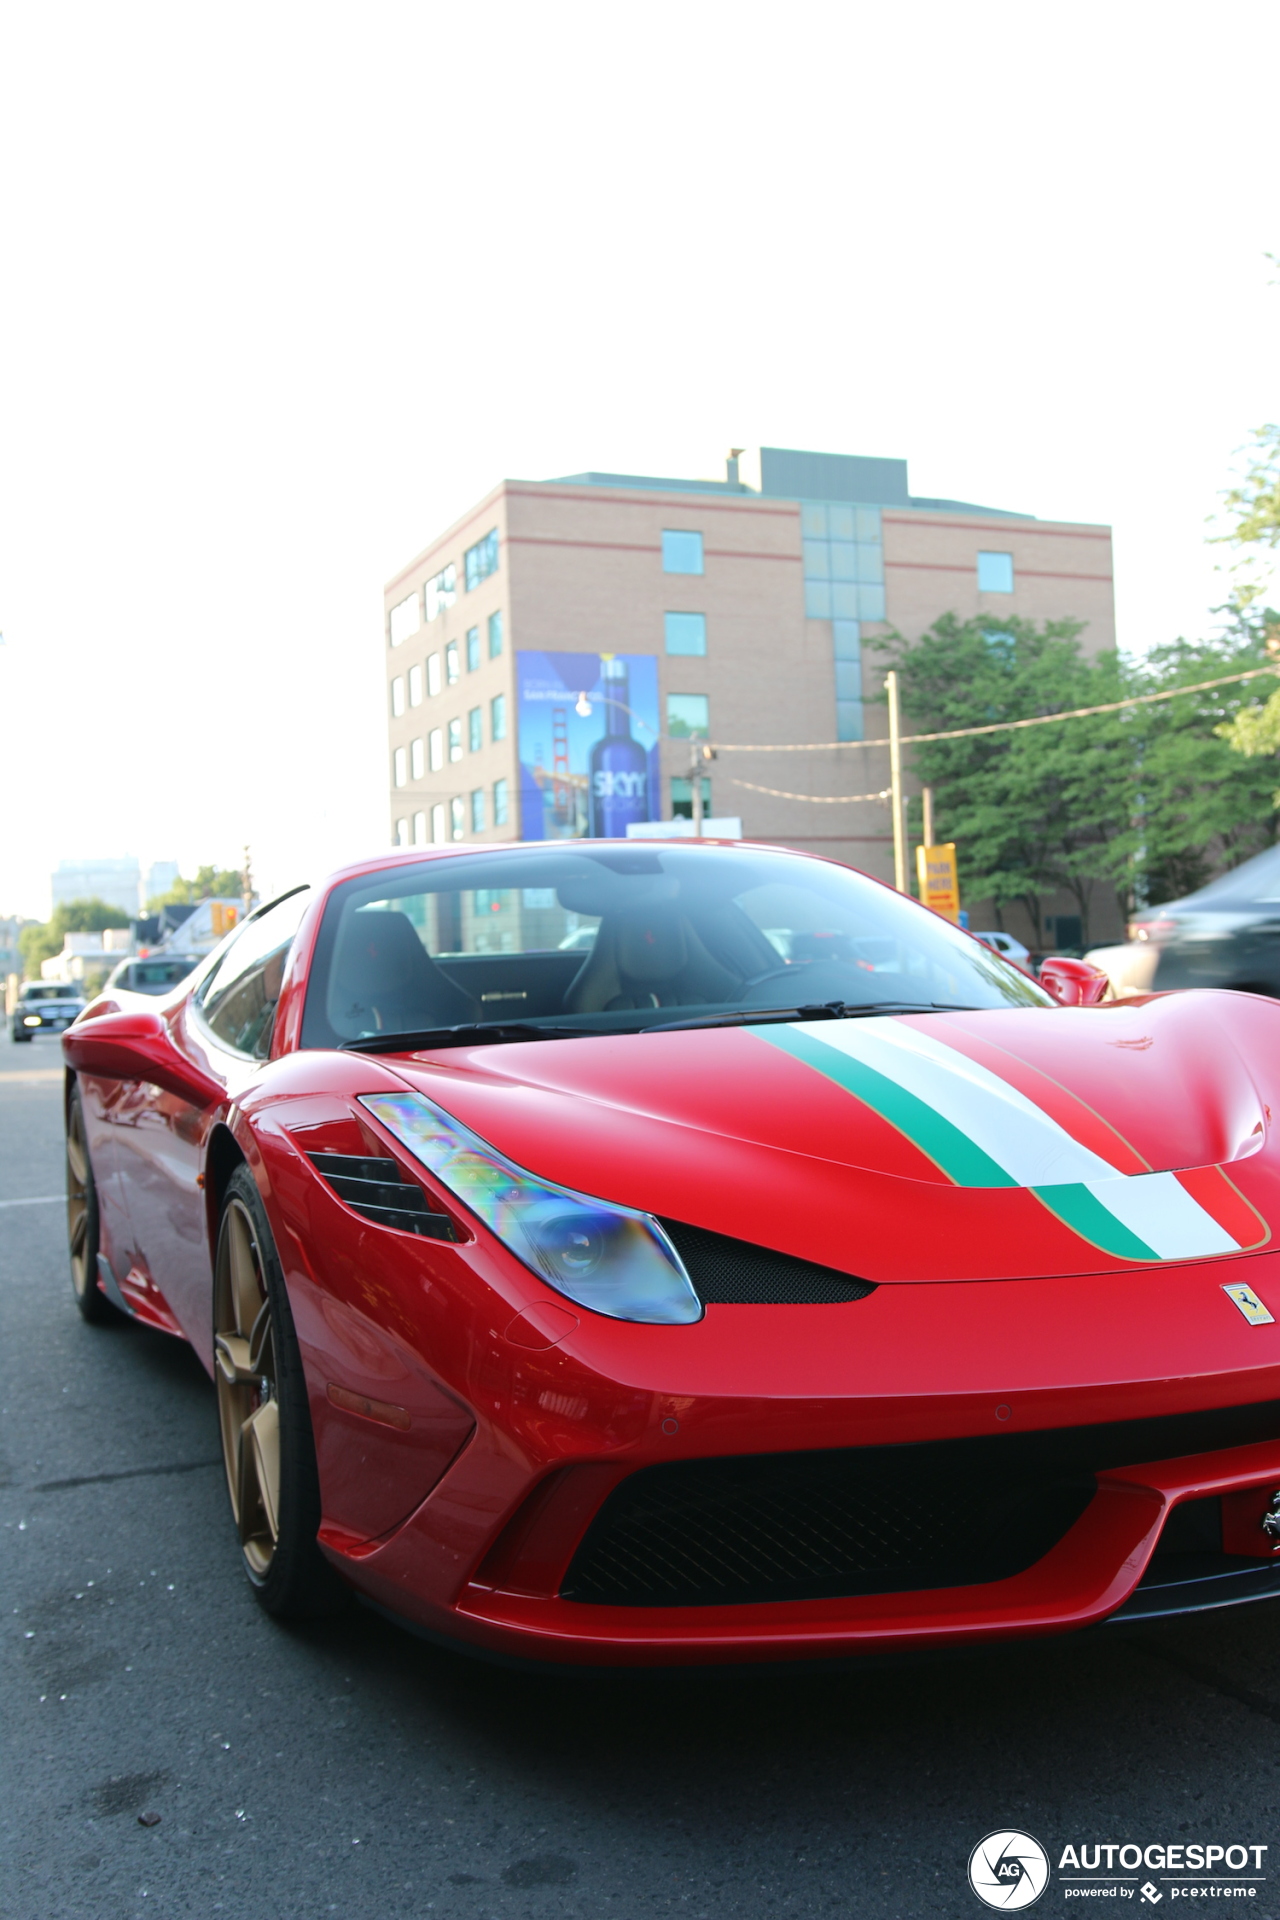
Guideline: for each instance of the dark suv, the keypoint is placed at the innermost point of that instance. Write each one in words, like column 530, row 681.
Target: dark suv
column 1225, row 935
column 45, row 1006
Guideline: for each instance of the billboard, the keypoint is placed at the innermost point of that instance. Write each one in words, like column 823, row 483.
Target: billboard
column 588, row 734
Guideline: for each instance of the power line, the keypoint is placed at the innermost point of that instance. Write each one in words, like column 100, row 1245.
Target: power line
column 996, row 726
column 825, row 799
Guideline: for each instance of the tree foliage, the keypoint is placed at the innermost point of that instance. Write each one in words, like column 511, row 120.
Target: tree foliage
column 40, row 942
column 210, row 883
column 1148, row 800
column 1253, row 509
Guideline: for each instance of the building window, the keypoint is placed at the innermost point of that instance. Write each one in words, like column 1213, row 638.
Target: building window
column 847, row 638
column 417, row 759
column 457, row 818
column 442, row 591
column 455, row 739
column 405, row 620
column 843, row 561
column 687, row 714
column 437, row 825
column 477, row 810
column 682, row 799
column 499, row 803
column 402, row 833
column 452, row 671
column 473, row 649
column 482, row 559
column 495, row 634
column 475, row 729
column 400, row 767
column 433, row 674
column 498, row 717
column 419, row 829
column 681, row 552
column 995, row 573
column 686, row 632
column 415, row 686
column 435, row 741
column 397, row 697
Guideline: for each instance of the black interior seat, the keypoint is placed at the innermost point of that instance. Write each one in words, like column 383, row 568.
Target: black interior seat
column 385, row 981
column 648, row 957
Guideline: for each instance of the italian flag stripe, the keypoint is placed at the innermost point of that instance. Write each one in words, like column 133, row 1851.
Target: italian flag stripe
column 983, row 1130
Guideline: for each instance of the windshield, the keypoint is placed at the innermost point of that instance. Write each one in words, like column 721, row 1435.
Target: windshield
column 607, row 939
column 43, row 991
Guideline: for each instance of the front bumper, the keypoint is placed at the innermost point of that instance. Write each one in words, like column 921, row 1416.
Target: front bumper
column 488, row 1557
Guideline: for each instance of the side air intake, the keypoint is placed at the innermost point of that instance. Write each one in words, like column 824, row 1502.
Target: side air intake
column 728, row 1272
column 374, row 1187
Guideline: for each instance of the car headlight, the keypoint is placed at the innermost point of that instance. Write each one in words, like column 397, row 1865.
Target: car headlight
column 31, row 1019
column 609, row 1258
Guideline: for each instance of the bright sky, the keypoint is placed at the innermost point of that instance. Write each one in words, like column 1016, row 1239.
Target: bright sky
column 283, row 289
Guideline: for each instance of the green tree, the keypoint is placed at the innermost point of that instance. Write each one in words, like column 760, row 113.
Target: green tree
column 41, row 942
column 1147, row 800
column 210, row 883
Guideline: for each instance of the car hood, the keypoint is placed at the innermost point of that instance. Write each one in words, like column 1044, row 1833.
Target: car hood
column 987, row 1145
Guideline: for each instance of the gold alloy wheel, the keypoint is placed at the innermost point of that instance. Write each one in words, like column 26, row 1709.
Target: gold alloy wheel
column 245, row 1371
column 78, row 1178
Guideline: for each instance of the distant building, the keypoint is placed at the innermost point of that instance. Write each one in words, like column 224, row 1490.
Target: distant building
column 115, row 881
column 550, row 656
column 161, row 876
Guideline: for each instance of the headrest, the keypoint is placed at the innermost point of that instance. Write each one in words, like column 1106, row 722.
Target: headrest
column 650, row 946
column 378, row 953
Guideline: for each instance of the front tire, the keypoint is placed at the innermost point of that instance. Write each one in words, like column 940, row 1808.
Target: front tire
column 82, row 1221
column 267, row 1444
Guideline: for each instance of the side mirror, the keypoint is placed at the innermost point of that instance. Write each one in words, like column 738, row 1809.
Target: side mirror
column 1073, row 983
column 137, row 1046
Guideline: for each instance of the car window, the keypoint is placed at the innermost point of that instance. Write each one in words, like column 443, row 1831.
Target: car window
column 43, row 990
column 598, row 938
column 237, row 999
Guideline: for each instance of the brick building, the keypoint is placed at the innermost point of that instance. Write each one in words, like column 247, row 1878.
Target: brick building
column 746, row 610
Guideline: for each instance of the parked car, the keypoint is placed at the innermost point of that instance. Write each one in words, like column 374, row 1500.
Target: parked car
column 1224, row 935
column 45, row 1006
column 157, row 973
column 718, row 1304
column 1011, row 949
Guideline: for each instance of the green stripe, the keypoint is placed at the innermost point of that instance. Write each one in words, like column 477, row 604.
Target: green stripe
column 1085, row 1214
column 946, row 1146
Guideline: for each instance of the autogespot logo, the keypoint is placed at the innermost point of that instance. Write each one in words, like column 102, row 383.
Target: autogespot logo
column 1008, row 1870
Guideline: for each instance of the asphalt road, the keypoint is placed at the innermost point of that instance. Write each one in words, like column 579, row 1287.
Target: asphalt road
column 359, row 1771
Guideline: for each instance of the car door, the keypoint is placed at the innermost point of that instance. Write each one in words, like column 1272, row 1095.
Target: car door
column 224, row 1030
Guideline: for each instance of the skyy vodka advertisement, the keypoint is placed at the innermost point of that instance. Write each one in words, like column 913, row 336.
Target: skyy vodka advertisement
column 588, row 739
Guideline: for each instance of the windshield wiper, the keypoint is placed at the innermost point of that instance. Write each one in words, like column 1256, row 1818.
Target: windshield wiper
column 488, row 1032
column 829, row 1010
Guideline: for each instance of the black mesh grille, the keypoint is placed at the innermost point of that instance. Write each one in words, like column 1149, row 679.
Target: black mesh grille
column 735, row 1272
column 804, row 1526
column 374, row 1187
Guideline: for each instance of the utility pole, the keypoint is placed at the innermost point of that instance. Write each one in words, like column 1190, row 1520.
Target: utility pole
column 926, row 797
column 699, row 753
column 247, row 884
column 895, row 785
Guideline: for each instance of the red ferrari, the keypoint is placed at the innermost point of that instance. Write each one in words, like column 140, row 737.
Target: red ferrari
column 616, row 1252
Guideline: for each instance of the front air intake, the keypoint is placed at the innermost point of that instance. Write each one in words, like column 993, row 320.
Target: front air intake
column 375, row 1187
column 728, row 1272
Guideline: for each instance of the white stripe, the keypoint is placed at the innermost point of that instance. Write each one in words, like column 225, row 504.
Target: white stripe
column 1019, row 1136
column 44, row 1200
column 1158, row 1208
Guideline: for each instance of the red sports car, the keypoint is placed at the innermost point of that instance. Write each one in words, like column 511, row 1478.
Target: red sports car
column 616, row 1252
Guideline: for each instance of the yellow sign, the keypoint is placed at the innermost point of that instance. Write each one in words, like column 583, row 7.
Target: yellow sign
column 939, row 886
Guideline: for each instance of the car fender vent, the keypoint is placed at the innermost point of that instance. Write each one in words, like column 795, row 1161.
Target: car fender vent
column 729, row 1272
column 374, row 1186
